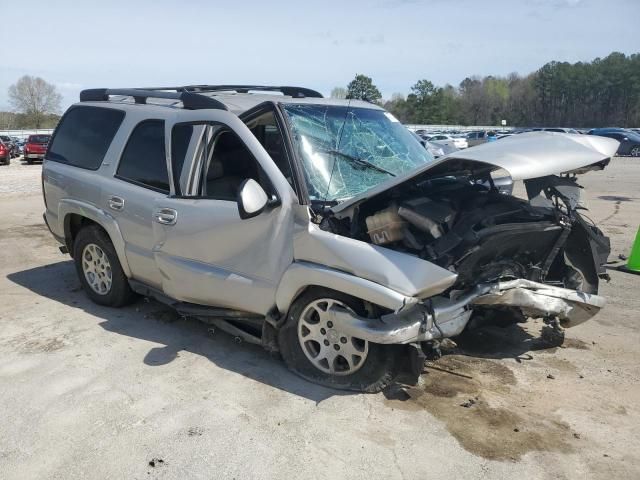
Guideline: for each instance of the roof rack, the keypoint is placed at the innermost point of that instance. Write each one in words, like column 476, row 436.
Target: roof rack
column 296, row 92
column 190, row 99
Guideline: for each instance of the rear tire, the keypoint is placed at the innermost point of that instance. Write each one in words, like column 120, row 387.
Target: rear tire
column 381, row 363
column 635, row 151
column 114, row 292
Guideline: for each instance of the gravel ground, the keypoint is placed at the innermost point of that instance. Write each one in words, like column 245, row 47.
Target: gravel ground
column 18, row 178
column 93, row 392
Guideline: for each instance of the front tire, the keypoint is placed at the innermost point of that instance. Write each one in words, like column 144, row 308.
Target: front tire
column 99, row 269
column 635, row 151
column 313, row 348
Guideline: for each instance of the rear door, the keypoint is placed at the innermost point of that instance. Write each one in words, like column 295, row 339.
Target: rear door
column 141, row 179
column 205, row 252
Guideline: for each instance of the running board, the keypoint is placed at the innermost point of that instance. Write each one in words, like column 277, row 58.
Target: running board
column 192, row 309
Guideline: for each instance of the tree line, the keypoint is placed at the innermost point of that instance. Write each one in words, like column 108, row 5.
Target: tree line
column 604, row 92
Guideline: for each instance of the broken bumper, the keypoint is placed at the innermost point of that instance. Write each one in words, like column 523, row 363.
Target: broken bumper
column 441, row 317
column 539, row 300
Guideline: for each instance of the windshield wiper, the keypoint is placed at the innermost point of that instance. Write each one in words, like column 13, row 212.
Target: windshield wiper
column 359, row 161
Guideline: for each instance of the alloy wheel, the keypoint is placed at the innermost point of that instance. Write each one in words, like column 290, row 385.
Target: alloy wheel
column 96, row 268
column 328, row 349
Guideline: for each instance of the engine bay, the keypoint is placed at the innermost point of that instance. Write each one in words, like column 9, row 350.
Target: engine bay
column 468, row 225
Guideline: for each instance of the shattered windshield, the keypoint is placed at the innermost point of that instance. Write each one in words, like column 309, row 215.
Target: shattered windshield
column 346, row 151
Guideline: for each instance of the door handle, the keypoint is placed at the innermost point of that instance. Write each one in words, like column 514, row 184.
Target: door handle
column 116, row 203
column 166, row 216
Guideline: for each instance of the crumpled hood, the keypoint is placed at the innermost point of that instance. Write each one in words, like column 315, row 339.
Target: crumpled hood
column 522, row 156
column 537, row 154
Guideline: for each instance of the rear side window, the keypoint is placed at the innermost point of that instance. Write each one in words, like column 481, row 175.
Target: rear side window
column 180, row 140
column 143, row 161
column 84, row 135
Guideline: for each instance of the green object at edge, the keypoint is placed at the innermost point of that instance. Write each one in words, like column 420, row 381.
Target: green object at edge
column 634, row 257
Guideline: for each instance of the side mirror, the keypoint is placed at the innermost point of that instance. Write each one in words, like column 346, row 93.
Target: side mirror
column 252, row 199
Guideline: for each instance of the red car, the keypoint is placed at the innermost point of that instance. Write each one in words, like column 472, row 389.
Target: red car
column 5, row 153
column 36, row 147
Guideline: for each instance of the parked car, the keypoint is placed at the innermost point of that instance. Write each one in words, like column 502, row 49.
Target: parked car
column 449, row 140
column 5, row 153
column 435, row 150
column 9, row 143
column 560, row 130
column 629, row 140
column 35, row 147
column 476, row 138
column 318, row 227
column 20, row 145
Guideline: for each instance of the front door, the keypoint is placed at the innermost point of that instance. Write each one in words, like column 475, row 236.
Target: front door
column 205, row 252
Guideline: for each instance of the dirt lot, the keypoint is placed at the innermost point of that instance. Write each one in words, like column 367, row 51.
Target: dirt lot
column 92, row 392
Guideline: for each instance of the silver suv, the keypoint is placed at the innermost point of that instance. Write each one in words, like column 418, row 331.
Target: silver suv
column 319, row 228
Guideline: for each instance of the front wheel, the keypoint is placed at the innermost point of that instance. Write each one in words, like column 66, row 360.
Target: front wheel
column 99, row 269
column 635, row 151
column 314, row 348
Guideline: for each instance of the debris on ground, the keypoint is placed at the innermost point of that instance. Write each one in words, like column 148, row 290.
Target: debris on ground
column 469, row 403
column 156, row 462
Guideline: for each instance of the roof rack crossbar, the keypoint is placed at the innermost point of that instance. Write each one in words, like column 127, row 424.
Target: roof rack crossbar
column 296, row 92
column 190, row 100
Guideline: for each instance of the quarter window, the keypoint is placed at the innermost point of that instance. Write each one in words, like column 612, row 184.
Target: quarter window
column 143, row 161
column 84, row 135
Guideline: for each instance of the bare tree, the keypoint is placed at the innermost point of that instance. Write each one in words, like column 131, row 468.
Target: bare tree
column 35, row 98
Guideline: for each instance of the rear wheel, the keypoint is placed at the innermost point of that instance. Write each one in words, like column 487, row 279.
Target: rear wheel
column 314, row 348
column 635, row 151
column 99, row 269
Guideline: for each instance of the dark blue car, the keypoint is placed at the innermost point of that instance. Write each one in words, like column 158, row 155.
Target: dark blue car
column 629, row 140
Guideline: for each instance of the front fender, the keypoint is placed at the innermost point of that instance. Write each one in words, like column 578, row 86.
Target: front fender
column 407, row 274
column 68, row 207
column 301, row 275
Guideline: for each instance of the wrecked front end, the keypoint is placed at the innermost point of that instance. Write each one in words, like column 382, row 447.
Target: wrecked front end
column 537, row 256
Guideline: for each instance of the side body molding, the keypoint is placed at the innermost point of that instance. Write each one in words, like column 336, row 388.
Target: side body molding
column 68, row 206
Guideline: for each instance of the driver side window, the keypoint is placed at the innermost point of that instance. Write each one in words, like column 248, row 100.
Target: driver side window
column 211, row 161
column 266, row 130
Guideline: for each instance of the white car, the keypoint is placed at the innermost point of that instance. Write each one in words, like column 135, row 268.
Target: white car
column 449, row 141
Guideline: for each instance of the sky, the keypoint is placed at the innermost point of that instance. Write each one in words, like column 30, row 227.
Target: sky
column 317, row 44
